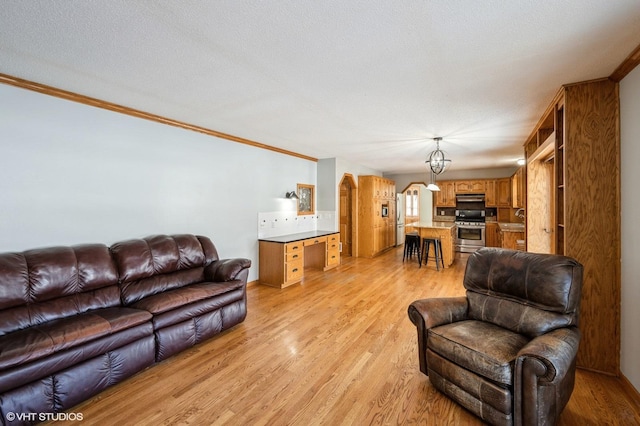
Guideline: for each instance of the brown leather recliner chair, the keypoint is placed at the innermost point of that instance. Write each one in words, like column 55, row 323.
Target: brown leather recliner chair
column 507, row 351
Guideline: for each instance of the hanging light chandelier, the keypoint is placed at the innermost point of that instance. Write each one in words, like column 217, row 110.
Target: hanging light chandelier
column 437, row 161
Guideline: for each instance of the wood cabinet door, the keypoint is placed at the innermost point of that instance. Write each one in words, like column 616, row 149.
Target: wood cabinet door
column 492, row 235
column 477, row 186
column 504, row 192
column 490, row 198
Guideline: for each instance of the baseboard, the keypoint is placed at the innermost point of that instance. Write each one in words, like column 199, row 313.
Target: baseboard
column 630, row 390
column 252, row 283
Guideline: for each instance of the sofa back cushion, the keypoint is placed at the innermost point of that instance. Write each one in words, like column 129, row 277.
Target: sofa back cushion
column 45, row 284
column 528, row 293
column 159, row 263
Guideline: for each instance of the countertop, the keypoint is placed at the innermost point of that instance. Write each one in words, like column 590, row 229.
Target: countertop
column 511, row 227
column 432, row 224
column 290, row 238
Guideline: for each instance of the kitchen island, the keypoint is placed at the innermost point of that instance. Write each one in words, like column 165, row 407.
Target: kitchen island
column 446, row 231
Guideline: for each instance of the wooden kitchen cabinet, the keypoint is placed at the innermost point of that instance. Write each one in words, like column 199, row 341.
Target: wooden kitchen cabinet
column 518, row 185
column 503, row 192
column 492, row 235
column 446, row 197
column 376, row 231
column 490, row 198
column 470, row 187
column 512, row 240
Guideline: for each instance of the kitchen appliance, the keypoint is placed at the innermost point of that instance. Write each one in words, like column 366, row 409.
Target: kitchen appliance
column 400, row 219
column 470, row 230
column 469, row 198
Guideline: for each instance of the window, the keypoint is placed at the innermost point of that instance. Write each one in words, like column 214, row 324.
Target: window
column 412, row 197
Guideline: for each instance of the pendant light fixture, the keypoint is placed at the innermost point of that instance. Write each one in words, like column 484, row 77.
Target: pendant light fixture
column 437, row 161
column 433, row 187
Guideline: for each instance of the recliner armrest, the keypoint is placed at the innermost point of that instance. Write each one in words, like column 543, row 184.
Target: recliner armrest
column 226, row 269
column 438, row 311
column 544, row 377
column 429, row 313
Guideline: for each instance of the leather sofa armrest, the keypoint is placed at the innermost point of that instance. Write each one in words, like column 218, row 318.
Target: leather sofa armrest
column 429, row 313
column 226, row 269
column 545, row 376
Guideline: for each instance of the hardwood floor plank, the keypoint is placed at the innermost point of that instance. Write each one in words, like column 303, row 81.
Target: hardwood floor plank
column 338, row 348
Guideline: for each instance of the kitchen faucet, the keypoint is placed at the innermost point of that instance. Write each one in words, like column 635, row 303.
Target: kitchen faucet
column 520, row 213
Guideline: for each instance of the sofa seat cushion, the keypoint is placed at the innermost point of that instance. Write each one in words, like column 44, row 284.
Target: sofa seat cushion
column 491, row 356
column 183, row 296
column 43, row 340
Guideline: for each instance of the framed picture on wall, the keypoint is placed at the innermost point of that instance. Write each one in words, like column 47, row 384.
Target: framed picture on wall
column 305, row 199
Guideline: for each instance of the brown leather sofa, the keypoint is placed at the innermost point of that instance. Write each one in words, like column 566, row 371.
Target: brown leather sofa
column 506, row 351
column 76, row 320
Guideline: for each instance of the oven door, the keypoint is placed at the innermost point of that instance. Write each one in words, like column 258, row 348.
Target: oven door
column 469, row 238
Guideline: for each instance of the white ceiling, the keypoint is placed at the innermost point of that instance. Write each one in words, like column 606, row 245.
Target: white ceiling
column 369, row 81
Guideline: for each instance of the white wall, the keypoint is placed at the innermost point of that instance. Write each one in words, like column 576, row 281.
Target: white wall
column 73, row 174
column 630, row 205
column 330, row 173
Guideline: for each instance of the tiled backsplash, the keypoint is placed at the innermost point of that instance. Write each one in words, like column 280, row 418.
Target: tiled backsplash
column 273, row 224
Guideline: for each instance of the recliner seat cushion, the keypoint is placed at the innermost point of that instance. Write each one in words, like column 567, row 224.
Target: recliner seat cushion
column 480, row 347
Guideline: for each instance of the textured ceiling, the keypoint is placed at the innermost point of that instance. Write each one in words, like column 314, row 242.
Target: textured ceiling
column 369, row 81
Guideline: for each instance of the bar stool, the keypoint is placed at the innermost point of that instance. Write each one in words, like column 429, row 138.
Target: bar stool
column 437, row 251
column 411, row 245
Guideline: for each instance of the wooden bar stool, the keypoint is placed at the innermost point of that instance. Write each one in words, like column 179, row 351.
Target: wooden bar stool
column 437, row 251
column 411, row 246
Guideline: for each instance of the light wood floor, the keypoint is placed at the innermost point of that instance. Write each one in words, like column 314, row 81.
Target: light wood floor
column 338, row 349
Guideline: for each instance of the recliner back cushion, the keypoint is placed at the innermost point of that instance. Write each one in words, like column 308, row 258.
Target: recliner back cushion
column 528, row 293
column 159, row 263
column 45, row 284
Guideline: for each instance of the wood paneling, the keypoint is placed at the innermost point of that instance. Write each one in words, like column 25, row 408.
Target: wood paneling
column 338, row 350
column 592, row 215
column 585, row 207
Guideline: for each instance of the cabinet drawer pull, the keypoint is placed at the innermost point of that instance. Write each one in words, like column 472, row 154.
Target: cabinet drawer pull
column 295, row 270
column 294, row 256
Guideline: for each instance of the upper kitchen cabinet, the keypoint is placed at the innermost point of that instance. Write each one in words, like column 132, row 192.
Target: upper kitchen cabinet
column 446, row 197
column 573, row 193
column 470, row 187
column 518, row 188
column 503, row 192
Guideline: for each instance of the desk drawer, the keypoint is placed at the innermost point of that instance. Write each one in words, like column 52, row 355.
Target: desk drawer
column 293, row 247
column 295, row 255
column 333, row 256
column 295, row 270
column 333, row 238
column 314, row 241
column 333, row 245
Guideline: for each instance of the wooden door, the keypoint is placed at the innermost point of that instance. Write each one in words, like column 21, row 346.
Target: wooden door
column 540, row 204
column 346, row 222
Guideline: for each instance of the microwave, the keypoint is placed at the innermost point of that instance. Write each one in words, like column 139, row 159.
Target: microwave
column 385, row 210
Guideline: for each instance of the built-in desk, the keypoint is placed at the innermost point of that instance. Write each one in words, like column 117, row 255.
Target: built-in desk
column 283, row 259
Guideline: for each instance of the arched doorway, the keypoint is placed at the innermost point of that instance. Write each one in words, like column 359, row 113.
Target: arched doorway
column 347, row 209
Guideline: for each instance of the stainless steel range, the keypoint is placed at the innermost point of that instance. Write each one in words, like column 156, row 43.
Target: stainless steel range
column 470, row 230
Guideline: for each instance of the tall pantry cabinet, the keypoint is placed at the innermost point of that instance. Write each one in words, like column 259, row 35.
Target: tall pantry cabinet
column 376, row 215
column 582, row 124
